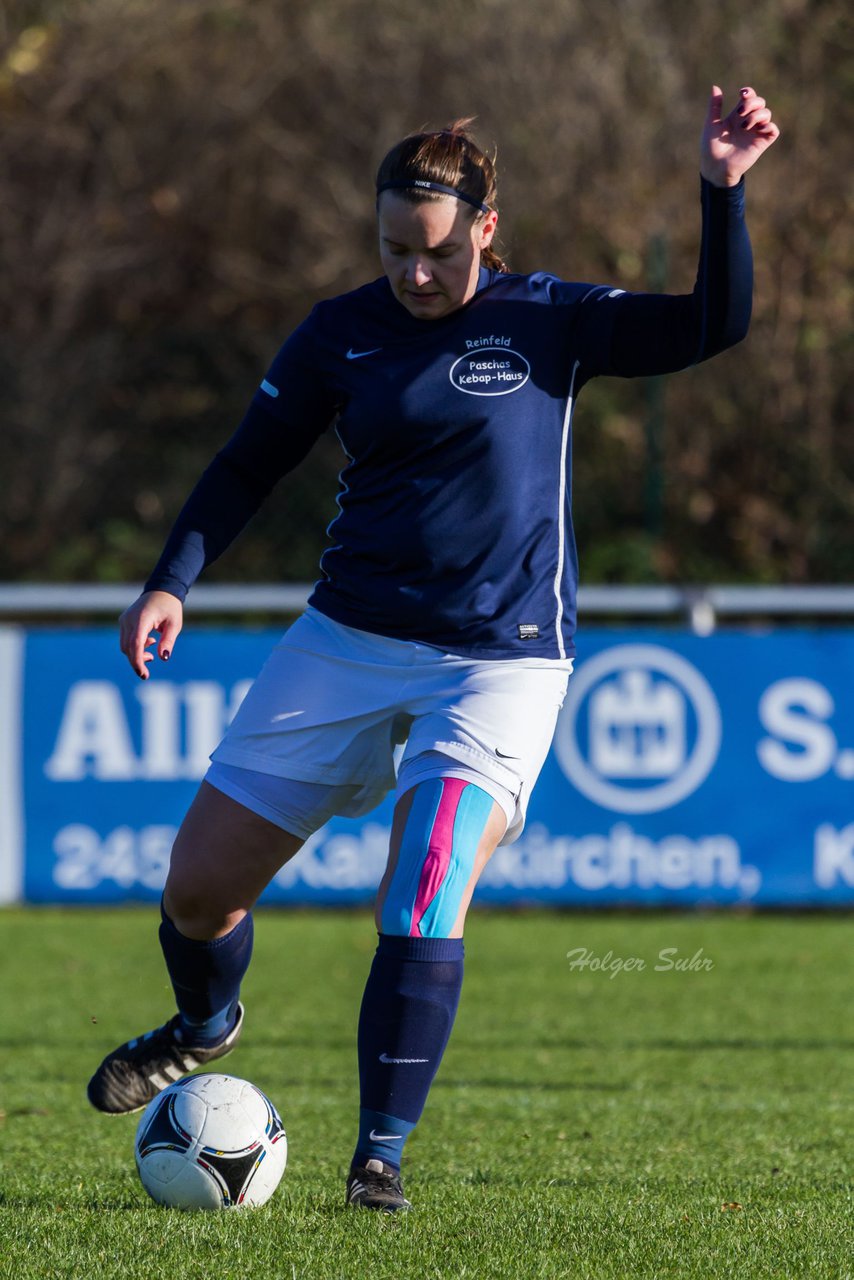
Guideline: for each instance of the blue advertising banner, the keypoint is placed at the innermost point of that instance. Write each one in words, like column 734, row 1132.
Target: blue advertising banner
column 685, row 770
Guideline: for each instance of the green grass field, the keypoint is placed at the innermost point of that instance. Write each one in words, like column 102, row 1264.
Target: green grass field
column 686, row 1123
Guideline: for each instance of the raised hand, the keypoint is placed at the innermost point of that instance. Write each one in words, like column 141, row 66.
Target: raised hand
column 730, row 145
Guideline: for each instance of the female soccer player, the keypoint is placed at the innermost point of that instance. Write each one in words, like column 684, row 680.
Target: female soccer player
column 445, row 613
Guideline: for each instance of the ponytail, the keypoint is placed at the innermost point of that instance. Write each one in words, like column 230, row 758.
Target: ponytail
column 489, row 258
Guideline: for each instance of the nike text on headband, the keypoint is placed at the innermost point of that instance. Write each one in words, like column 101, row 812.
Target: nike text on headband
column 420, row 184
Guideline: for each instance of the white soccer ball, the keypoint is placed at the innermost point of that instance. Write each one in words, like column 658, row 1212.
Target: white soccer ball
column 211, row 1142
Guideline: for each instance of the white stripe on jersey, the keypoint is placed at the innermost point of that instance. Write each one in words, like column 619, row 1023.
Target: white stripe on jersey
column 343, row 490
column 561, row 511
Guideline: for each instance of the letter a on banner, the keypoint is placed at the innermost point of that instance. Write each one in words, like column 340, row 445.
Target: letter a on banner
column 94, row 739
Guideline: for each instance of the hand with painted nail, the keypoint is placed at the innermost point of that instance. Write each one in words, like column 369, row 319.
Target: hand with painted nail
column 731, row 144
column 154, row 611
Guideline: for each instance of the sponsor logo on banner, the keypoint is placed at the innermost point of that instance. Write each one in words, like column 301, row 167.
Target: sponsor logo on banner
column 178, row 727
column 834, row 856
column 802, row 746
column 640, row 729
column 623, row 860
column 97, row 771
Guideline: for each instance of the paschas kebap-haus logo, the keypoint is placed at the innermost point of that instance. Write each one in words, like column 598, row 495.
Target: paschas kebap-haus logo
column 640, row 729
column 490, row 367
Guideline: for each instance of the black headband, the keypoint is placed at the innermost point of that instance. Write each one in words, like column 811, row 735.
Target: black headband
column 420, row 184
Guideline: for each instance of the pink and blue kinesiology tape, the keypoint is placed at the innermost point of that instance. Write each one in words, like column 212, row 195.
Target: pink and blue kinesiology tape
column 436, row 858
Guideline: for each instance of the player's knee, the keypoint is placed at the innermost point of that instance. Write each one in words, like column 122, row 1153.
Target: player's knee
column 196, row 916
column 436, row 860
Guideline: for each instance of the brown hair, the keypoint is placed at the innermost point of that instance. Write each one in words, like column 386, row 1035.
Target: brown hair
column 448, row 156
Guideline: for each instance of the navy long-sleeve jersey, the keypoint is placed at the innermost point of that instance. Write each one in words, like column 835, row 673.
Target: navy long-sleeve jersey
column 454, row 524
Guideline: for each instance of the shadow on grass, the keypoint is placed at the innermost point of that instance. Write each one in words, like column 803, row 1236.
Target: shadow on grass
column 324, row 1205
column 539, row 1086
column 465, row 1040
column 761, row 1046
column 60, row 1204
column 317, row 1041
column 740, row 1043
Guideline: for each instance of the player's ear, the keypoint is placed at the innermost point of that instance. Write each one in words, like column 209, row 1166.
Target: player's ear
column 487, row 228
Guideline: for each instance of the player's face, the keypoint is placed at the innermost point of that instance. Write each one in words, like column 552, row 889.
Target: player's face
column 430, row 251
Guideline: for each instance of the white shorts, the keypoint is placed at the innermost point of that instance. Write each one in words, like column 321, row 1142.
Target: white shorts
column 333, row 705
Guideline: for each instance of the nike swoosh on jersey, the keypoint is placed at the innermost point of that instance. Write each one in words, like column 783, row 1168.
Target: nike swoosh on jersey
column 358, row 355
column 385, row 1058
column 382, row 1137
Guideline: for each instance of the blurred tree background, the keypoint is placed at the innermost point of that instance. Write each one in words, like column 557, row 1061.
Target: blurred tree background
column 180, row 182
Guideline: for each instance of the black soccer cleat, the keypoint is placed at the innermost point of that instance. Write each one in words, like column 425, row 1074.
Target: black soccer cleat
column 376, row 1186
column 136, row 1072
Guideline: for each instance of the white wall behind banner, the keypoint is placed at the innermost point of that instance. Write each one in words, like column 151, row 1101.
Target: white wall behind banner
column 685, row 770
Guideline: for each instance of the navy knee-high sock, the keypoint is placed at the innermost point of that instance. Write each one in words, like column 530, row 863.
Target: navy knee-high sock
column 206, row 978
column 408, row 1010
